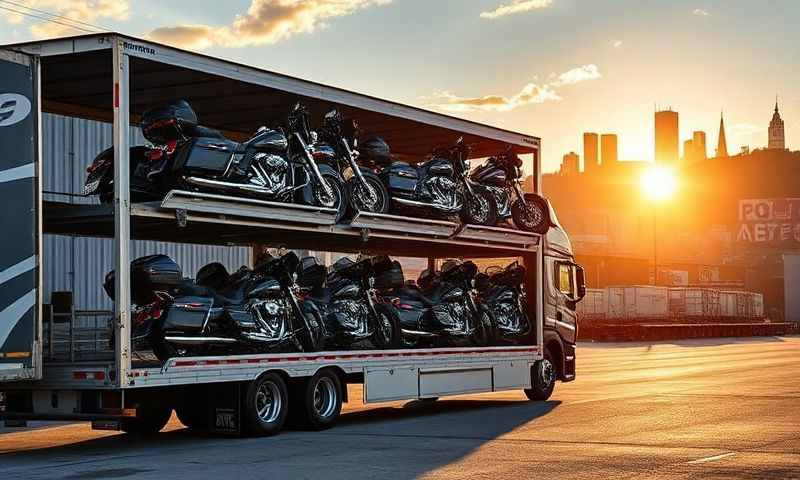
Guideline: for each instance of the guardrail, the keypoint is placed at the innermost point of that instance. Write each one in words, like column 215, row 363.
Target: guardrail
column 675, row 331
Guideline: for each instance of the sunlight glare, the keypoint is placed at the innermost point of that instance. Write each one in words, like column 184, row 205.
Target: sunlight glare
column 658, row 183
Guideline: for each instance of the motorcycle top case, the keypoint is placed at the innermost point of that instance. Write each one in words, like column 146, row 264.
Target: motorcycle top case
column 311, row 273
column 205, row 155
column 390, row 277
column 169, row 123
column 148, row 274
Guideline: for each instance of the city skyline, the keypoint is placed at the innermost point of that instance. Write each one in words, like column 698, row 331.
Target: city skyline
column 525, row 68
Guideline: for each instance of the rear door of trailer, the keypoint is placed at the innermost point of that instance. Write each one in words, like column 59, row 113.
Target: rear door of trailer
column 20, row 194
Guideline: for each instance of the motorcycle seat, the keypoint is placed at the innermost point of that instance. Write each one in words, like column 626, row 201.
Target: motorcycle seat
column 414, row 294
column 205, row 132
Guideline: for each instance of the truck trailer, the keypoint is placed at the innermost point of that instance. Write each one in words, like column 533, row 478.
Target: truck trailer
column 113, row 78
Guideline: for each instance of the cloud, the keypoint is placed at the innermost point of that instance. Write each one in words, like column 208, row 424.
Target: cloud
column 88, row 11
column 616, row 43
column 516, row 6
column 265, row 22
column 577, row 75
column 531, row 93
column 700, row 12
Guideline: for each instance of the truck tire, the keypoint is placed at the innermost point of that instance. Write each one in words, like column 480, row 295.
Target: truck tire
column 320, row 398
column 149, row 420
column 266, row 404
column 543, row 379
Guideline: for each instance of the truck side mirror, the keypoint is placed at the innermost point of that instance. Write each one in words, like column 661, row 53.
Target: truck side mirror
column 580, row 283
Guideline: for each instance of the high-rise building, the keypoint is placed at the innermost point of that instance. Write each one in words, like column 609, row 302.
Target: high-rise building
column 667, row 143
column 608, row 150
column 571, row 164
column 689, row 151
column 722, row 143
column 590, row 160
column 777, row 141
column 699, row 144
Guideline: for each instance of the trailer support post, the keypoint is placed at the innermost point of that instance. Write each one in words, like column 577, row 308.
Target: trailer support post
column 122, row 225
column 540, row 286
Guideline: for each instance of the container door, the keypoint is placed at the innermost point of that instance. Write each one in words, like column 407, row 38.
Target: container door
column 20, row 193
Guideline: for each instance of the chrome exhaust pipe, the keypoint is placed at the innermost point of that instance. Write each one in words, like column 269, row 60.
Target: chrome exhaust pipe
column 243, row 187
column 198, row 340
column 416, row 333
column 414, row 203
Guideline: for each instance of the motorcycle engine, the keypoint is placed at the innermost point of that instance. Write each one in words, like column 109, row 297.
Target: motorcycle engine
column 270, row 171
column 451, row 316
column 351, row 315
column 274, row 317
column 442, row 190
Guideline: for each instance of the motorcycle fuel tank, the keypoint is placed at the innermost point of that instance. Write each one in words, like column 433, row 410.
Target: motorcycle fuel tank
column 269, row 141
column 490, row 175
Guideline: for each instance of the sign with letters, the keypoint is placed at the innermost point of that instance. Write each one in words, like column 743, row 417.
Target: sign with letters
column 769, row 221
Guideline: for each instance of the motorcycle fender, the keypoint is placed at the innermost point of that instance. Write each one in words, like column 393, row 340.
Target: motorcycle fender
column 307, row 193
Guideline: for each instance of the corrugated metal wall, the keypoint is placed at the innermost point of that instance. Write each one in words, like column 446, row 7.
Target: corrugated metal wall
column 79, row 264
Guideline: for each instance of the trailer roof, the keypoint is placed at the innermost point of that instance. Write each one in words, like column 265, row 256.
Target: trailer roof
column 235, row 98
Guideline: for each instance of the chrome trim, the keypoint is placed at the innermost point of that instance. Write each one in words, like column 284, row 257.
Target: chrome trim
column 416, row 333
column 413, row 203
column 198, row 340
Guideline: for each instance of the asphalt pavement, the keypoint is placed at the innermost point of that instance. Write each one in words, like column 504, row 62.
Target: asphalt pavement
column 710, row 409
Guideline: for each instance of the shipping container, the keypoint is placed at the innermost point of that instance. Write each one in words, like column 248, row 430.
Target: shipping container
column 640, row 302
column 593, row 307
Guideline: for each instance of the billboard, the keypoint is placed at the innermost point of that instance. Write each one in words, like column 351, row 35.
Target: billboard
column 769, row 221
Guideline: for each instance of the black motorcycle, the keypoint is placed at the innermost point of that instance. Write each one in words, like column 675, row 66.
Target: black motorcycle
column 502, row 176
column 502, row 290
column 272, row 165
column 351, row 309
column 219, row 314
column 442, row 309
column 438, row 187
column 335, row 145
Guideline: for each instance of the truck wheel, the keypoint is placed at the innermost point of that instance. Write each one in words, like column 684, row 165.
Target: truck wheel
column 321, row 400
column 265, row 405
column 543, row 379
column 149, row 420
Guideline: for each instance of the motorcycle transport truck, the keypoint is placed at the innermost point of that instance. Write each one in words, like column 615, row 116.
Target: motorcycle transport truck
column 492, row 307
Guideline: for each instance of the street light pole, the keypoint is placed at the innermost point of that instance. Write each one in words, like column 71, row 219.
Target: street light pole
column 655, row 244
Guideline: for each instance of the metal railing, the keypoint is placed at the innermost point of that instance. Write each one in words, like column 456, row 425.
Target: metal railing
column 77, row 335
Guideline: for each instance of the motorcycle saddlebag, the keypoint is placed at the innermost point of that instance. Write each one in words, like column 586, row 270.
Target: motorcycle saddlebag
column 391, row 277
column 168, row 123
column 205, row 155
column 401, row 178
column 187, row 314
column 148, row 274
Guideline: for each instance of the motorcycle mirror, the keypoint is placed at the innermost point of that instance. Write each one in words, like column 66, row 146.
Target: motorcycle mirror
column 313, row 136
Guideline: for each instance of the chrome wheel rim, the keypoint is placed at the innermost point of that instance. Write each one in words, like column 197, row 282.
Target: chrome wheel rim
column 268, row 402
column 324, row 397
column 547, row 373
column 385, row 328
column 479, row 209
column 327, row 200
column 531, row 215
column 366, row 197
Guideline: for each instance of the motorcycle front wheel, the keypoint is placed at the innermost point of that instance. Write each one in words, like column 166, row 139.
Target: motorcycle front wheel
column 532, row 215
column 337, row 197
column 479, row 209
column 374, row 201
column 387, row 328
column 485, row 333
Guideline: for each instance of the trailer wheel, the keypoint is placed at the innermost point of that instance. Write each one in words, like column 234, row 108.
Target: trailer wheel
column 321, row 400
column 543, row 379
column 266, row 405
column 149, row 420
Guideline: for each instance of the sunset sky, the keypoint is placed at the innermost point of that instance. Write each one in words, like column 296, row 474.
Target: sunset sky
column 551, row 68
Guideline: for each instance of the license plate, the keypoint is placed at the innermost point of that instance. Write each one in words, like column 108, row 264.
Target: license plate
column 91, row 187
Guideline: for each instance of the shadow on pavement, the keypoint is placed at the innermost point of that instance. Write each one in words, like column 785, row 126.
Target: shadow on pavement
column 423, row 436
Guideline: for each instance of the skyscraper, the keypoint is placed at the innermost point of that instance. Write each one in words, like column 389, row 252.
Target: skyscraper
column 689, row 152
column 722, row 143
column 776, row 137
column 667, row 144
column 590, row 160
column 699, row 144
column 571, row 164
column 608, row 150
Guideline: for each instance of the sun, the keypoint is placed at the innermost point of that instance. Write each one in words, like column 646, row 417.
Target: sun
column 659, row 183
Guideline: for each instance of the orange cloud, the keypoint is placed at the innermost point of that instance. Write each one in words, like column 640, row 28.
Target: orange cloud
column 88, row 11
column 265, row 22
column 531, row 93
column 516, row 6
